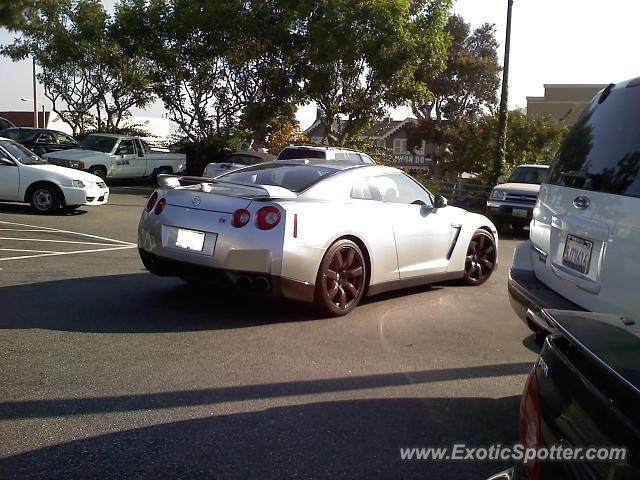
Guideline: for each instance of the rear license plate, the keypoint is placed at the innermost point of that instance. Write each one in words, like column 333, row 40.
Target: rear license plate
column 190, row 240
column 577, row 253
column 518, row 212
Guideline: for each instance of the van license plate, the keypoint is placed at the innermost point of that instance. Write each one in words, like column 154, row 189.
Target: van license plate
column 577, row 253
column 518, row 212
column 190, row 240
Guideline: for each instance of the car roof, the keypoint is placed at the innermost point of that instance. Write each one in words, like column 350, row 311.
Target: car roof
column 112, row 135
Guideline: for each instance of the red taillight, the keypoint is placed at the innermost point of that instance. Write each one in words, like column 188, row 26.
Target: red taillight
column 267, row 218
column 160, row 206
column 241, row 218
column 530, row 422
column 295, row 225
column 152, row 201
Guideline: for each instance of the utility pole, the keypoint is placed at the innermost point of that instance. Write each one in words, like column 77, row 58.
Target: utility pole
column 501, row 140
column 35, row 95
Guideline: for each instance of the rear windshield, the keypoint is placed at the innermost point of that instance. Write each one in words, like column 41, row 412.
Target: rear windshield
column 292, row 177
column 19, row 135
column 296, row 153
column 98, row 143
column 529, row 175
column 602, row 151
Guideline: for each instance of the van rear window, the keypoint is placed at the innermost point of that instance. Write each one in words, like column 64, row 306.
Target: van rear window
column 602, row 151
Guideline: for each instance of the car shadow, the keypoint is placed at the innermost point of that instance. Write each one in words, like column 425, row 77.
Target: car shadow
column 355, row 439
column 24, row 209
column 139, row 303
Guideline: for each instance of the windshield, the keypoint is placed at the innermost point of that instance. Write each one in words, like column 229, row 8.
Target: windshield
column 292, row 177
column 23, row 155
column 98, row 143
column 19, row 134
column 535, row 175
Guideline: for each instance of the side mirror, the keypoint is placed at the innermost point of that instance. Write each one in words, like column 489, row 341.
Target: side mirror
column 439, row 201
column 502, row 179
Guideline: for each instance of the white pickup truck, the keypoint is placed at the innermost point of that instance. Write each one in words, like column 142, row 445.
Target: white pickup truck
column 118, row 156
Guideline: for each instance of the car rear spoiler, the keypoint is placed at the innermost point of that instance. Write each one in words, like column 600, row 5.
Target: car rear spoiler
column 257, row 192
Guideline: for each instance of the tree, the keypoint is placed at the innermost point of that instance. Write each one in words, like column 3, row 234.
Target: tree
column 534, row 141
column 85, row 74
column 13, row 13
column 465, row 88
column 359, row 56
column 287, row 134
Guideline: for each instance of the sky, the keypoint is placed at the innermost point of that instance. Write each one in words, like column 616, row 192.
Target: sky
column 552, row 41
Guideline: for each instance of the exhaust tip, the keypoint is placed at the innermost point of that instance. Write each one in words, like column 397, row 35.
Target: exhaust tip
column 244, row 283
column 261, row 284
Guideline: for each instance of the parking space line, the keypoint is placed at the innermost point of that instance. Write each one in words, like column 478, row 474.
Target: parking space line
column 22, row 250
column 53, row 254
column 122, row 242
column 53, row 241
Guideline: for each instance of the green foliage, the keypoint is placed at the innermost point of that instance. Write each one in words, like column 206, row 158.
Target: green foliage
column 200, row 153
column 466, row 87
column 91, row 83
column 358, row 56
column 13, row 13
column 533, row 141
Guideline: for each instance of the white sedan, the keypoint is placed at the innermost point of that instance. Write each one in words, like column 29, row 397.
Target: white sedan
column 313, row 230
column 25, row 177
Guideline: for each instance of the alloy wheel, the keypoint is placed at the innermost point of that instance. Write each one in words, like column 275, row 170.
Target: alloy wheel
column 480, row 259
column 343, row 278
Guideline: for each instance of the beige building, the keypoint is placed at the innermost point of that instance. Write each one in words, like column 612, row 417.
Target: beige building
column 562, row 99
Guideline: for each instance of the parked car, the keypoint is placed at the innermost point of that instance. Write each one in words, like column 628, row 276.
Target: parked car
column 118, row 156
column 583, row 248
column 25, row 177
column 313, row 230
column 236, row 160
column 293, row 152
column 40, row 140
column 513, row 199
column 4, row 124
column 583, row 392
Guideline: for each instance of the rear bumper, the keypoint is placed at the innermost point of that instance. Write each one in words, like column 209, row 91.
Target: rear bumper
column 528, row 295
column 255, row 283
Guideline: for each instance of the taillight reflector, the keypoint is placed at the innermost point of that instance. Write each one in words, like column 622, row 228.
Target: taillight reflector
column 267, row 218
column 152, row 201
column 295, row 225
column 241, row 217
column 160, row 206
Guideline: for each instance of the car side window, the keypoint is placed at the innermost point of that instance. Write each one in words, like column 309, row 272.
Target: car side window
column 126, row 148
column 400, row 188
column 354, row 157
column 46, row 137
column 65, row 139
column 363, row 190
column 140, row 148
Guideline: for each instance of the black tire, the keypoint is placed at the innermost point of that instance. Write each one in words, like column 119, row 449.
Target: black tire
column 45, row 199
column 480, row 260
column 341, row 280
column 162, row 171
column 99, row 171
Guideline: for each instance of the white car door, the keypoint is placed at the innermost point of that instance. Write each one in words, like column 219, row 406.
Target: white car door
column 125, row 163
column 422, row 233
column 9, row 178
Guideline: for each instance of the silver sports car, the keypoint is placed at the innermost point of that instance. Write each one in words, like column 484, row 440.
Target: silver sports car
column 313, row 230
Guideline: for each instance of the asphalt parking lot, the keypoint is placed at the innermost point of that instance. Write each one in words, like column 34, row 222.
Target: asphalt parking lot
column 110, row 372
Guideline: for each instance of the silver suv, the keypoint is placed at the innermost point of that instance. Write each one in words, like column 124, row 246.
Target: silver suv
column 294, row 152
column 583, row 252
